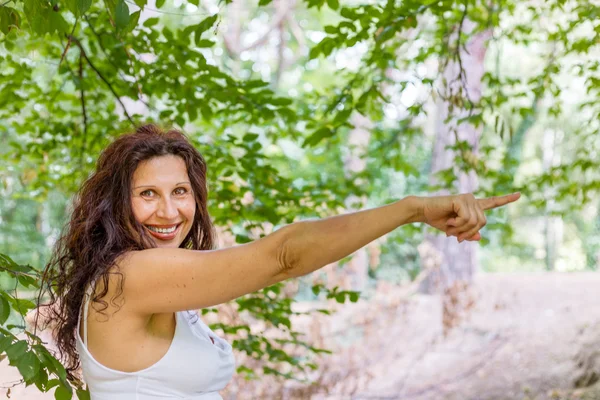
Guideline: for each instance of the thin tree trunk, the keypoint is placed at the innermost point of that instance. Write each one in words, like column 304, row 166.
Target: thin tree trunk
column 552, row 224
column 456, row 262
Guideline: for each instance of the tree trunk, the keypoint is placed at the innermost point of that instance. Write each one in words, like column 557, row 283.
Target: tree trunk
column 456, row 262
column 552, row 224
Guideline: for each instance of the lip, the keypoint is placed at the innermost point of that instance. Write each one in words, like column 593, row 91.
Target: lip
column 165, row 236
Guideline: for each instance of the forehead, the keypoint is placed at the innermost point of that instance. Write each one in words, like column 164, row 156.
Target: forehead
column 162, row 170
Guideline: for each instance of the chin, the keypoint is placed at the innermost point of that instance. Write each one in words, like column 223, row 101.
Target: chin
column 173, row 245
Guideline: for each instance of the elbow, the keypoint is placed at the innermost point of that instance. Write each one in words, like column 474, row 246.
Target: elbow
column 287, row 254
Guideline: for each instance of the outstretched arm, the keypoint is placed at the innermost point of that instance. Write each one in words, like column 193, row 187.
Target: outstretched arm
column 310, row 245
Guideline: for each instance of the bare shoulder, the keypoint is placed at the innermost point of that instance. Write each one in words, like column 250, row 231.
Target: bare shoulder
column 163, row 280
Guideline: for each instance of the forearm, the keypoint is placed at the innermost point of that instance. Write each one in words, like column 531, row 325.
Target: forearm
column 310, row 245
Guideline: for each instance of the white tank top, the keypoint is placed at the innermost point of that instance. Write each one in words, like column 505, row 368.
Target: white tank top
column 192, row 369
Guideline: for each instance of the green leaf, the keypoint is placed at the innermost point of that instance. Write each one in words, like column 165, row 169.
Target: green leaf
column 78, row 7
column 16, row 351
column 141, row 3
column 242, row 239
column 83, row 394
column 133, row 21
column 150, row 22
column 63, row 393
column 316, row 137
column 333, row 4
column 83, row 6
column 27, row 281
column 28, row 365
column 204, row 43
column 348, row 13
column 354, row 296
column 9, row 18
column 250, row 137
column 41, row 380
column 59, row 369
column 5, row 342
column 121, row 14
column 332, row 30
column 4, row 309
column 23, row 305
column 205, row 25
column 192, row 113
column 160, row 3
column 51, row 383
column 281, row 101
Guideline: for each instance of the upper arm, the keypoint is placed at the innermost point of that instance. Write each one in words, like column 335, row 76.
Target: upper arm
column 164, row 280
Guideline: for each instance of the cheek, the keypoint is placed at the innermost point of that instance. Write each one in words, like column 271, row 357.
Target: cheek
column 142, row 210
column 190, row 209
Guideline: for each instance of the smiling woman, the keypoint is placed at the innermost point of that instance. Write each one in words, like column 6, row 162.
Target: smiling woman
column 140, row 223
column 148, row 191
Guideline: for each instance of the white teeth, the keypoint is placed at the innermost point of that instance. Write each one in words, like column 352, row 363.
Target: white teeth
column 161, row 230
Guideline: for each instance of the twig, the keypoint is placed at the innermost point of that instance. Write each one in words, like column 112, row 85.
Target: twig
column 16, row 296
column 85, row 119
column 10, row 271
column 461, row 71
column 110, row 87
column 139, row 87
column 64, row 53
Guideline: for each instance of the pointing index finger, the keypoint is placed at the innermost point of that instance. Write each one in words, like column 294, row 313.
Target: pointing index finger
column 498, row 201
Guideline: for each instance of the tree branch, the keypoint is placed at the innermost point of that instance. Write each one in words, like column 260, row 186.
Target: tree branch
column 280, row 53
column 108, row 84
column 279, row 17
column 139, row 87
column 64, row 53
column 85, row 119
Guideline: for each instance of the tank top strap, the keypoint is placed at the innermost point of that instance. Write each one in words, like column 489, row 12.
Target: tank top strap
column 86, row 298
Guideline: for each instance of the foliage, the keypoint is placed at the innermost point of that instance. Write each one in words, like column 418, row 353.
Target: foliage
column 74, row 74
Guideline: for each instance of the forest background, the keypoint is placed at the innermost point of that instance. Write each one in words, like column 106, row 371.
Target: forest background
column 309, row 109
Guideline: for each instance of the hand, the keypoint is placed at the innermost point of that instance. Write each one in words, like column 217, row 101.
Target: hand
column 461, row 215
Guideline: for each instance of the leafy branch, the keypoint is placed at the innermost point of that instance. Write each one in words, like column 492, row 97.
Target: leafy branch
column 101, row 76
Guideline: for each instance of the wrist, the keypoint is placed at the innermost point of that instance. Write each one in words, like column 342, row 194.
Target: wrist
column 416, row 206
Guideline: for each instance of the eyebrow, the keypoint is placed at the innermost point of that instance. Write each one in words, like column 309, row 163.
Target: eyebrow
column 178, row 183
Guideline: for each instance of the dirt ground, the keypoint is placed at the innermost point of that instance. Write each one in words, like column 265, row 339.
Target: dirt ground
column 529, row 337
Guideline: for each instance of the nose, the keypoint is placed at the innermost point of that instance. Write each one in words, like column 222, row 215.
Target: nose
column 167, row 209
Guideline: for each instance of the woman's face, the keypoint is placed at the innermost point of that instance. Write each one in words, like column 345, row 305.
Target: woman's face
column 162, row 199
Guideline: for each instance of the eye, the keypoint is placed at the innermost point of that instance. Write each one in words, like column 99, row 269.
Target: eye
column 180, row 191
column 147, row 193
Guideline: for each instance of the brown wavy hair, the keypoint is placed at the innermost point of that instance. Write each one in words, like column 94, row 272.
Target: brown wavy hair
column 102, row 227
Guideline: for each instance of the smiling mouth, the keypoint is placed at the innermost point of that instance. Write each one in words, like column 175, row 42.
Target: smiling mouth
column 164, row 232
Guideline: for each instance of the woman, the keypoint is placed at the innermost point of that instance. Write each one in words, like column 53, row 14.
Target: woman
column 140, row 235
